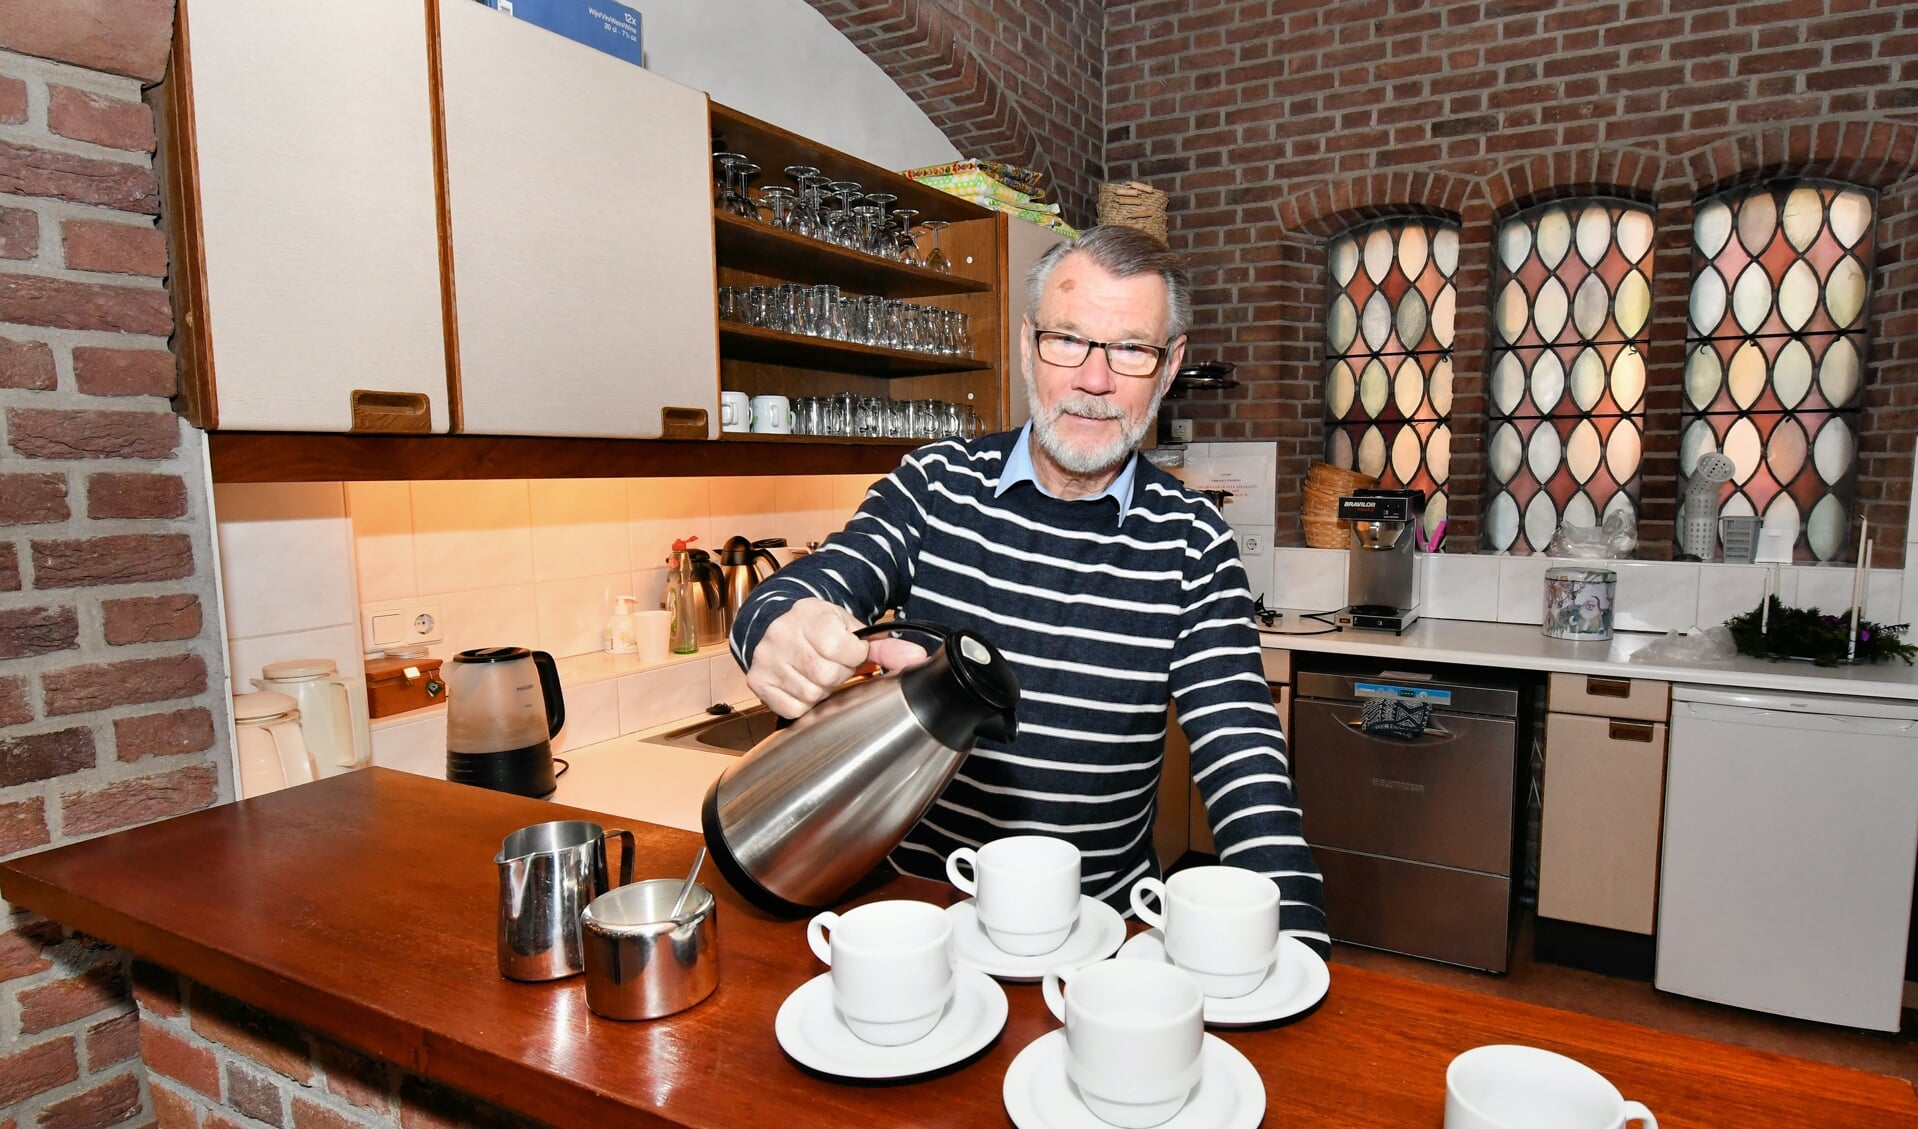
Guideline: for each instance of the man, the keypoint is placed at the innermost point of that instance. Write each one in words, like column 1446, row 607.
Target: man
column 1110, row 588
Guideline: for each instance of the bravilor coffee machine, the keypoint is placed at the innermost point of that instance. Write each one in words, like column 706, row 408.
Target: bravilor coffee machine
column 1382, row 571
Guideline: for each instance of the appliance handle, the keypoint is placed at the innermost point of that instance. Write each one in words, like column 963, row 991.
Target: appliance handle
column 551, row 690
column 1358, row 726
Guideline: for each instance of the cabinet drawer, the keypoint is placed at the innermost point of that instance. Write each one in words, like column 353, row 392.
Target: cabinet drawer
column 1638, row 698
column 1278, row 664
column 1599, row 827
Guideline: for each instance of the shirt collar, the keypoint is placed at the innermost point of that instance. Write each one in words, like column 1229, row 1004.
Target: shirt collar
column 1018, row 468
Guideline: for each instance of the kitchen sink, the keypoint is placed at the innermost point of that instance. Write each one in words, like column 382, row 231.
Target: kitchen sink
column 733, row 733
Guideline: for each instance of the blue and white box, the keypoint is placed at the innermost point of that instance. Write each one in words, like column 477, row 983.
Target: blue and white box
column 605, row 25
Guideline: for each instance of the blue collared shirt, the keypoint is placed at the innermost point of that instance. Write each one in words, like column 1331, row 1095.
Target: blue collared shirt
column 1018, row 469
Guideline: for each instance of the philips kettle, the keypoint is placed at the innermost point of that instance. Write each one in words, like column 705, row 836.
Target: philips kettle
column 503, row 708
column 814, row 807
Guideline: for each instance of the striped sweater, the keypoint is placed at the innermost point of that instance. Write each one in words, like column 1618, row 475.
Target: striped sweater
column 1105, row 619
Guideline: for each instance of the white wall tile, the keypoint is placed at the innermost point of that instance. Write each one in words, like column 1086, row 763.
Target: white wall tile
column 663, row 694
column 1726, row 590
column 1521, row 588
column 382, row 516
column 1885, row 598
column 744, row 506
column 1256, row 550
column 286, row 556
column 580, row 527
column 488, row 617
column 1827, row 588
column 806, row 509
column 1908, row 604
column 572, row 613
column 728, row 681
column 592, row 715
column 649, row 586
column 1652, row 595
column 414, row 746
column 471, row 535
column 663, row 510
column 849, row 490
column 1460, row 586
column 1311, row 580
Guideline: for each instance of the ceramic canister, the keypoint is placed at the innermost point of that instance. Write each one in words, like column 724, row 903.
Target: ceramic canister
column 1578, row 603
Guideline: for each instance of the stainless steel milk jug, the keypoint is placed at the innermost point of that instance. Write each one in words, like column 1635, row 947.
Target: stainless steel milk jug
column 814, row 807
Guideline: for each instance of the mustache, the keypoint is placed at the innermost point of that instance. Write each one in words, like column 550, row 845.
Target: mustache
column 1091, row 407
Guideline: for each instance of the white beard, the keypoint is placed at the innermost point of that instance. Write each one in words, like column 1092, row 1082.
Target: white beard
column 1087, row 460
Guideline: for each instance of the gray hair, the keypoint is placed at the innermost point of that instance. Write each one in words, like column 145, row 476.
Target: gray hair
column 1122, row 252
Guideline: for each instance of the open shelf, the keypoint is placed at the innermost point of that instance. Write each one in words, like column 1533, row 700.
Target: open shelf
column 769, row 346
column 764, row 249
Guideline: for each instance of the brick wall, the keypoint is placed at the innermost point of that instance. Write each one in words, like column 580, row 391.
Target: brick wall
column 1307, row 118
column 216, row 1063
column 110, row 660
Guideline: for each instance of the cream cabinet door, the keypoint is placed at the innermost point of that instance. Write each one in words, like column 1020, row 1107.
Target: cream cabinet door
column 580, row 195
column 1599, row 824
column 1025, row 242
column 311, row 127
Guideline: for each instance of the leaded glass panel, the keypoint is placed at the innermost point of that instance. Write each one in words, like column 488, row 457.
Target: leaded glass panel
column 1565, row 415
column 1776, row 350
column 1388, row 335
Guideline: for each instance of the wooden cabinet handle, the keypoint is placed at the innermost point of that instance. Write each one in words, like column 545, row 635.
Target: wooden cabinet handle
column 1608, row 687
column 407, row 413
column 1639, row 731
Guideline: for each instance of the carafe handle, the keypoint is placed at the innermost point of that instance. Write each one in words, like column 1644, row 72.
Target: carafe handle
column 289, row 745
column 550, row 689
column 625, row 838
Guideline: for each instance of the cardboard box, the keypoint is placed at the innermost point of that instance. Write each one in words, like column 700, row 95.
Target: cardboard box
column 605, row 25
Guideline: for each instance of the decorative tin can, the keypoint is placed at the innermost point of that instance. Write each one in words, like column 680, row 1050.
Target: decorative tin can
column 1578, row 603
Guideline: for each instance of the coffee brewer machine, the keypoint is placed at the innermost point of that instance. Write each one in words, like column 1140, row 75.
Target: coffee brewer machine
column 1382, row 569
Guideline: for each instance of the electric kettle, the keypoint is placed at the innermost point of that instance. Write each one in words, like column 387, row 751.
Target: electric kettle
column 266, row 729
column 503, row 708
column 739, row 564
column 814, row 807
column 332, row 712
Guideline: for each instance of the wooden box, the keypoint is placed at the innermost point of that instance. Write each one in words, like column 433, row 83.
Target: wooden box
column 398, row 685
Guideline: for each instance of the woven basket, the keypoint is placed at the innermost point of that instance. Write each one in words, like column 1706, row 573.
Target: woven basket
column 1327, row 533
column 1133, row 203
column 1325, row 484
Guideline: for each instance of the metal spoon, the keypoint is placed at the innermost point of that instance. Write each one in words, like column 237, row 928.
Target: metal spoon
column 699, row 860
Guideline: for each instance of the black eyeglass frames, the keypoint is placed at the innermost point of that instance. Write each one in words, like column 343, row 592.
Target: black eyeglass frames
column 1125, row 358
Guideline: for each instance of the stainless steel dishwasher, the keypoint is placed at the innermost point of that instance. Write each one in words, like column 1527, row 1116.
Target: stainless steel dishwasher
column 1417, row 838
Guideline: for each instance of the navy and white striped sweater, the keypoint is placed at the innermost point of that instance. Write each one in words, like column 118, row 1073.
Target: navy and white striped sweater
column 1104, row 621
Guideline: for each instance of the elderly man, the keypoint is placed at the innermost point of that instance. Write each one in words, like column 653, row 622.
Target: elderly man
column 1111, row 589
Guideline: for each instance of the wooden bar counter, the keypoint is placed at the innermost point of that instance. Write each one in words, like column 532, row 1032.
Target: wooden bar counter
column 362, row 908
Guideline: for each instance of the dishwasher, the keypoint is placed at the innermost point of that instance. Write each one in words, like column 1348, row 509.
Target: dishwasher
column 1791, row 828
column 1419, row 838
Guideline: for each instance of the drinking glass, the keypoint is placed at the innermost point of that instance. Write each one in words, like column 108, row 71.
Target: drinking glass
column 936, row 258
column 881, row 237
column 807, row 415
column 780, row 200
column 729, row 304
column 958, row 333
column 728, row 164
column 868, row 221
column 904, row 248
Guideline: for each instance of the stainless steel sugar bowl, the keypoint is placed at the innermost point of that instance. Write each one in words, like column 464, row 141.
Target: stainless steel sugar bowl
column 641, row 962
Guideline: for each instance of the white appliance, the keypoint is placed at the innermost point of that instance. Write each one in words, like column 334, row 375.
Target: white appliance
column 1791, row 827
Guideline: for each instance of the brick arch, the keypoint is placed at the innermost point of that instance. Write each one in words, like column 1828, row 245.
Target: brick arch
column 1872, row 154
column 925, row 50
column 1330, row 207
column 1632, row 173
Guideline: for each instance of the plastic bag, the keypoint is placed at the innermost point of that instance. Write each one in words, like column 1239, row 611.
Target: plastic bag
column 1708, row 645
column 1616, row 539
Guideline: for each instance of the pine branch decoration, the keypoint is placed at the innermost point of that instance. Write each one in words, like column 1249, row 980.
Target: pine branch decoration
column 1807, row 633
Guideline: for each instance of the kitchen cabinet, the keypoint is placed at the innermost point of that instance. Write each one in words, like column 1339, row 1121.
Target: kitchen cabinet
column 1602, row 802
column 582, row 297
column 297, row 157
column 1278, row 675
column 761, row 361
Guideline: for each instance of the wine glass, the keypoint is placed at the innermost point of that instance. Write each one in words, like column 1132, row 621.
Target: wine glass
column 779, row 199
column 743, row 205
column 936, row 258
column 727, row 162
column 904, row 248
column 877, row 243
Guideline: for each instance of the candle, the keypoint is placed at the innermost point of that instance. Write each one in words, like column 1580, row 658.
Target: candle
column 1764, row 612
column 1860, row 585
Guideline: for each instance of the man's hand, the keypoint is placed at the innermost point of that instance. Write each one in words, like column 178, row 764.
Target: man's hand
column 811, row 649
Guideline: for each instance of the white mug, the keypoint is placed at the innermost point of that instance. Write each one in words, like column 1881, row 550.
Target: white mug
column 1135, row 1032
column 1512, row 1087
column 735, row 412
column 1025, row 890
column 772, row 415
column 891, row 967
column 1221, row 924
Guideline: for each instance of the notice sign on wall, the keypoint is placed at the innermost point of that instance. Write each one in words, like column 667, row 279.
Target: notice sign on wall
column 605, row 25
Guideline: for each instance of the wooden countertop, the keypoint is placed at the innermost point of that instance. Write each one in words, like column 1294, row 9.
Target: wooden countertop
column 363, row 907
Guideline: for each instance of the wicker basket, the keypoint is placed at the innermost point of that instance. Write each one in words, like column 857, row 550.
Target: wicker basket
column 1327, row 533
column 1325, row 484
column 1133, row 203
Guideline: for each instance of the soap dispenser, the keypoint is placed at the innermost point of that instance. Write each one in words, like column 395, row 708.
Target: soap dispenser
column 621, row 636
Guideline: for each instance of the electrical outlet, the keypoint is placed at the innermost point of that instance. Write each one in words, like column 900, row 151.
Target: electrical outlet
column 392, row 624
column 1253, row 543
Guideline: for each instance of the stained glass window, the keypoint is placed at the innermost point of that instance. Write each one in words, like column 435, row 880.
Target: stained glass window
column 1774, row 374
column 1388, row 336
column 1565, row 413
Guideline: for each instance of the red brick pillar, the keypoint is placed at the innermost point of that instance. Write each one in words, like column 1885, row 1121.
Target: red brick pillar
column 111, row 663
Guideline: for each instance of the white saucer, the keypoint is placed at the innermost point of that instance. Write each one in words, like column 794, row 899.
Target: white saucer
column 1095, row 936
column 1039, row 1096
column 1303, row 984
column 810, row 1030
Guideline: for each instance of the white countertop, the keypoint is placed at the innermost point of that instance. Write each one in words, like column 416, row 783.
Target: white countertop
column 632, row 777
column 1517, row 646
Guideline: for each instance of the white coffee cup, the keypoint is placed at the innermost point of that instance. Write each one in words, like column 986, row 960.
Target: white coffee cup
column 1025, row 890
column 1221, row 924
column 1513, row 1087
column 772, row 415
column 652, row 627
column 1135, row 1031
column 891, row 967
column 735, row 411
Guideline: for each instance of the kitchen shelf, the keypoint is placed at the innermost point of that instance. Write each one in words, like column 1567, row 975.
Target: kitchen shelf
column 763, row 249
column 770, row 346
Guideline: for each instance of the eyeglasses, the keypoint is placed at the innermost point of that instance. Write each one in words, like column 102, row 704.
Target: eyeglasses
column 1125, row 358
